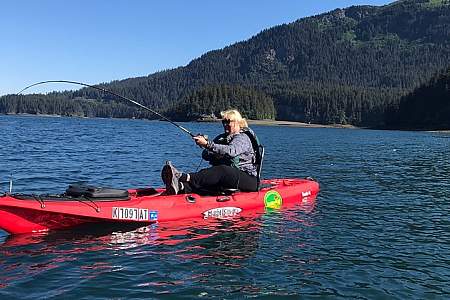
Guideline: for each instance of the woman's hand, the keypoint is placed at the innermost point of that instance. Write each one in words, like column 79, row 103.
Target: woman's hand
column 200, row 140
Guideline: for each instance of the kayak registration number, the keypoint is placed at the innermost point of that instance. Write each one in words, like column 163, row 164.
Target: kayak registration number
column 134, row 214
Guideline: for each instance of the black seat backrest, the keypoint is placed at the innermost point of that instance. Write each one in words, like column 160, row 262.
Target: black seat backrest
column 259, row 162
column 259, row 152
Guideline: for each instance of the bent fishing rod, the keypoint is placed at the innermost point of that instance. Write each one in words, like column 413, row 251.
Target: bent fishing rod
column 112, row 93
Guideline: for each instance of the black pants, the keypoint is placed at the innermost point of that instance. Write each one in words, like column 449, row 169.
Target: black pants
column 217, row 177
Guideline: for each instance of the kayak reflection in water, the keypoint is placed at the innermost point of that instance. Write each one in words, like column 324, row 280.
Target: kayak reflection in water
column 232, row 158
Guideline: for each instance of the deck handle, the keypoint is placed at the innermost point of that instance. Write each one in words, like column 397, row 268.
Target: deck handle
column 223, row 199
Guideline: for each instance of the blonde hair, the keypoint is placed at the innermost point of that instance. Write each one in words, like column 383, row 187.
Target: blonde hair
column 234, row 115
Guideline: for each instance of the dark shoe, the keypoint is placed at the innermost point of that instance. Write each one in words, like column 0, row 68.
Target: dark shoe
column 170, row 176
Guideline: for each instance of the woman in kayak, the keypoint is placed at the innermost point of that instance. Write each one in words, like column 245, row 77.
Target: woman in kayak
column 231, row 155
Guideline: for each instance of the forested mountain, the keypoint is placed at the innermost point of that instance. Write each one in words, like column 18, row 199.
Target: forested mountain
column 427, row 107
column 345, row 66
column 210, row 100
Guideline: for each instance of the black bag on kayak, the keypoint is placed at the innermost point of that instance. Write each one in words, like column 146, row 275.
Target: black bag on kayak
column 92, row 192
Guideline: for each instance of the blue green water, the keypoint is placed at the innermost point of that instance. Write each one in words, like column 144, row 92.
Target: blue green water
column 380, row 228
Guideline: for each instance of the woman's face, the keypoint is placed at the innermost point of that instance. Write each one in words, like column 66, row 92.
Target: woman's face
column 230, row 126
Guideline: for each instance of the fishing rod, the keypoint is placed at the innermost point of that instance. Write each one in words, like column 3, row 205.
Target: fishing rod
column 112, row 93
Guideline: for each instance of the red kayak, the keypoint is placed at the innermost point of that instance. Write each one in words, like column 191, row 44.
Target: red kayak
column 80, row 205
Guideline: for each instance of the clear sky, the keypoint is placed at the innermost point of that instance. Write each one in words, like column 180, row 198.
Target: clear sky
column 95, row 41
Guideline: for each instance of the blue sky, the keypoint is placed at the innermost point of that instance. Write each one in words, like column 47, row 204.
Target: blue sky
column 97, row 41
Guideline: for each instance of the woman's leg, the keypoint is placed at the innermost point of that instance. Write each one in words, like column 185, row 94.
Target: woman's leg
column 222, row 176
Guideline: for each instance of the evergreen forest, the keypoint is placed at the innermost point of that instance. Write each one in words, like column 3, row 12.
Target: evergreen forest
column 372, row 66
column 426, row 108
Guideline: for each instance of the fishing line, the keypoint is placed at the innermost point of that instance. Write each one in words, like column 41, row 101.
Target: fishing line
column 112, row 93
column 199, row 165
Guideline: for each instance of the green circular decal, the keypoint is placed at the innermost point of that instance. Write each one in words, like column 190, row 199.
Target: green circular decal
column 272, row 199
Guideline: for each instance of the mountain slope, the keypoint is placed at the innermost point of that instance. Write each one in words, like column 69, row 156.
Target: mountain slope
column 376, row 53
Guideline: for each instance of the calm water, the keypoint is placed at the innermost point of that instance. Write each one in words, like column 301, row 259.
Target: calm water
column 380, row 228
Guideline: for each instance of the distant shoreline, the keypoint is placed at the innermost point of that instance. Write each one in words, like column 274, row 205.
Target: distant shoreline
column 250, row 122
column 286, row 123
column 32, row 115
column 298, row 124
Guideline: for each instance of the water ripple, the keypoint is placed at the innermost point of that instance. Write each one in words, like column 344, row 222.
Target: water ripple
column 379, row 229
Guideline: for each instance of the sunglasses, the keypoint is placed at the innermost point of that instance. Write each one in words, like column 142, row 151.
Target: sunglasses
column 226, row 122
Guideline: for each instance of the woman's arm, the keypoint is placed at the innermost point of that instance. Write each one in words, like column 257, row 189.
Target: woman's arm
column 239, row 144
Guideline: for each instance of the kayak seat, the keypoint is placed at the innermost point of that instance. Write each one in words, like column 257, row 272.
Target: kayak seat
column 259, row 163
column 230, row 191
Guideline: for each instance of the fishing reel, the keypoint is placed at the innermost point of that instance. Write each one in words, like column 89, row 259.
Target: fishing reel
column 202, row 135
column 205, row 136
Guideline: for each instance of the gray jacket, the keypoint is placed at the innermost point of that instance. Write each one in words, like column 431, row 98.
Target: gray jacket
column 233, row 150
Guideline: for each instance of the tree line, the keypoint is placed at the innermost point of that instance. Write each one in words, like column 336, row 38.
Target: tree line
column 348, row 66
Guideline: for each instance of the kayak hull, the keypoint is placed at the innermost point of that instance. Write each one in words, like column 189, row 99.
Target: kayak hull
column 39, row 214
